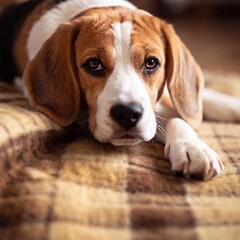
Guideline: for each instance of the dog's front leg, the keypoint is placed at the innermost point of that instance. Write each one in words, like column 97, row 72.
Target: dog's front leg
column 186, row 152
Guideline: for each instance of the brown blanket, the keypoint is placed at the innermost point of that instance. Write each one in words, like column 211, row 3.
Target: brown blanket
column 55, row 185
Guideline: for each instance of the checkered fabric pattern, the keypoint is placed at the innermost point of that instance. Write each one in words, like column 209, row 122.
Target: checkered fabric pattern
column 58, row 184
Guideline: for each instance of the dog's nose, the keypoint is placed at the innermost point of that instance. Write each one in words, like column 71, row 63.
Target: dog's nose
column 127, row 115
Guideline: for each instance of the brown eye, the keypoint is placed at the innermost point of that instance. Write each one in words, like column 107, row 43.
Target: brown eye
column 94, row 64
column 94, row 67
column 151, row 63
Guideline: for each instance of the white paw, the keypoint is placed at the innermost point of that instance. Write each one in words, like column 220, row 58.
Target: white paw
column 194, row 158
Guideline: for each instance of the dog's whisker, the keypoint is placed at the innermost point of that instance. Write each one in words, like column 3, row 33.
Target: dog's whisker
column 160, row 118
column 83, row 127
column 161, row 130
column 160, row 127
column 160, row 122
column 84, row 130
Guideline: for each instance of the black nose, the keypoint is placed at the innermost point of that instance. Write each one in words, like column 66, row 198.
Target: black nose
column 127, row 115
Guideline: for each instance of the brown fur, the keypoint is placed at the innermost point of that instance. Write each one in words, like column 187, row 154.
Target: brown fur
column 55, row 77
column 184, row 79
column 51, row 77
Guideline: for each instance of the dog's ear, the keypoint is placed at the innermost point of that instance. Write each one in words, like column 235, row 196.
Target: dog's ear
column 51, row 77
column 184, row 78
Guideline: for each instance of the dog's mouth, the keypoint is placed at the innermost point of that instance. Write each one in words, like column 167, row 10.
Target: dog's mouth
column 126, row 139
column 127, row 136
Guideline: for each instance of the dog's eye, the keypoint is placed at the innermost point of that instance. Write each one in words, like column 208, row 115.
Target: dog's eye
column 94, row 67
column 150, row 65
column 94, row 64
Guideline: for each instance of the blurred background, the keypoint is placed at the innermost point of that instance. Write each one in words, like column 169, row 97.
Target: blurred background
column 210, row 29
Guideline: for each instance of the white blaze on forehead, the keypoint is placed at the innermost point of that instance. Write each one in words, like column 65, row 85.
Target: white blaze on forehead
column 123, row 86
column 127, row 84
column 123, row 70
column 122, row 34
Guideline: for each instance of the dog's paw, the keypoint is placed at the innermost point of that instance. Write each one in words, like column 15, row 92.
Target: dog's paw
column 194, row 158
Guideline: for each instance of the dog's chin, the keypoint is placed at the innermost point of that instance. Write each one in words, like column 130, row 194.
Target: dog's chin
column 126, row 140
column 120, row 137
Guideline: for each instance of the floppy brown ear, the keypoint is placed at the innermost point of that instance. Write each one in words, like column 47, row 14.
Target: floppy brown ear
column 184, row 78
column 51, row 77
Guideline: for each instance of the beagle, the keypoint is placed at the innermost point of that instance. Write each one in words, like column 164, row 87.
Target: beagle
column 129, row 69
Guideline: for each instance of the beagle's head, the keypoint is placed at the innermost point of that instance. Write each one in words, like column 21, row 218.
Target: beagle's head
column 118, row 61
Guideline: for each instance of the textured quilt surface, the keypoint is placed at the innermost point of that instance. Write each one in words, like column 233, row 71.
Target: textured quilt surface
column 61, row 184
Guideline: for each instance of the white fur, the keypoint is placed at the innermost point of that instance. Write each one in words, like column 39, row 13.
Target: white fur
column 186, row 152
column 48, row 23
column 124, row 86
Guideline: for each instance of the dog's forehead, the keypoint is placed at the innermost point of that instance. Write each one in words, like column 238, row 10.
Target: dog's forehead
column 101, row 22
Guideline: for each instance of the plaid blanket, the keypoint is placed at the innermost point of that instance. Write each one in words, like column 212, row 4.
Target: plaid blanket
column 61, row 184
